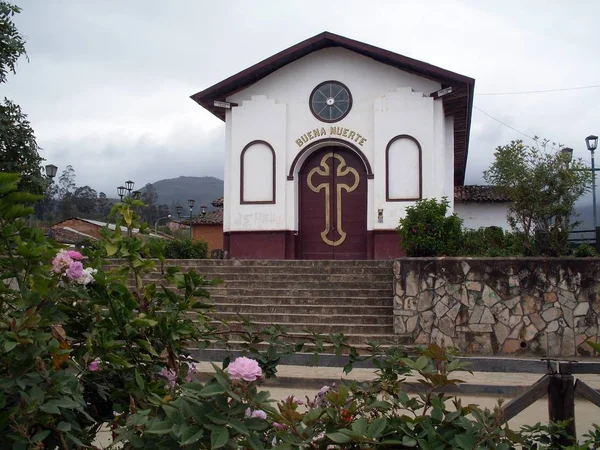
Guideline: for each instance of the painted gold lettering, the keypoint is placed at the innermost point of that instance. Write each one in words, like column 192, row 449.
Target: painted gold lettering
column 316, row 132
column 351, row 135
column 362, row 141
column 304, row 138
column 345, row 132
column 332, row 131
column 310, row 135
column 299, row 142
column 358, row 136
column 323, row 132
column 339, row 130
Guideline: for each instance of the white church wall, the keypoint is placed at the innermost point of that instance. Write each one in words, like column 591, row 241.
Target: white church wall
column 419, row 117
column 368, row 128
column 476, row 215
column 449, row 161
column 256, row 214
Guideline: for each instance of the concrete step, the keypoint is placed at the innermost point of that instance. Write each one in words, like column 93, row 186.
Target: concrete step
column 287, row 277
column 356, row 311
column 286, row 319
column 264, row 262
column 288, row 300
column 326, row 328
column 308, row 270
column 301, row 292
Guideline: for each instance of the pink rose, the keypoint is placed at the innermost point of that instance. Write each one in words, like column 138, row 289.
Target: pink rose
column 243, row 368
column 75, row 270
column 94, row 365
column 257, row 414
column 170, row 375
column 61, row 262
column 75, row 255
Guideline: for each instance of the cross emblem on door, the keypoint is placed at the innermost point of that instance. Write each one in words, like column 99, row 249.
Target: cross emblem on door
column 324, row 170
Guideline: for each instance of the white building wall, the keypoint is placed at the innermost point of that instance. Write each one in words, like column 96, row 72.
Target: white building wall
column 244, row 129
column 386, row 102
column 477, row 215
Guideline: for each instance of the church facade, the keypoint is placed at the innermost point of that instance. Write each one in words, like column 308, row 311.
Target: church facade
column 328, row 142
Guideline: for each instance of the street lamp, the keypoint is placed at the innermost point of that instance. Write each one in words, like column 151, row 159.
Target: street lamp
column 191, row 205
column 203, row 209
column 179, row 208
column 51, row 170
column 591, row 143
column 121, row 191
column 136, row 195
column 156, row 223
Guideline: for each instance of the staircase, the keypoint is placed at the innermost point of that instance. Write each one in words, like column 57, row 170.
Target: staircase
column 350, row 297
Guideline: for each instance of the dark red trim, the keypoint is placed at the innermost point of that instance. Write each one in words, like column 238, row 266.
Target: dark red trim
column 273, row 190
column 458, row 104
column 331, row 141
column 387, row 169
column 317, row 87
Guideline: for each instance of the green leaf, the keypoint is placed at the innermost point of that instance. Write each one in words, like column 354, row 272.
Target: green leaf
column 238, row 426
column 111, row 249
column 255, row 442
column 407, row 441
column 139, row 380
column 63, row 426
column 338, row 438
column 50, row 408
column 211, row 390
column 465, row 441
column 376, row 427
column 159, row 427
column 191, row 435
column 39, row 437
column 219, row 437
column 9, row 345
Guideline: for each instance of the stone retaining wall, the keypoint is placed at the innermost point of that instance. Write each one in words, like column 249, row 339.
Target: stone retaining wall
column 536, row 306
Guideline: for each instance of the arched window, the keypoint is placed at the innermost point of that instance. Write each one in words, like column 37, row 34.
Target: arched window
column 257, row 173
column 403, row 169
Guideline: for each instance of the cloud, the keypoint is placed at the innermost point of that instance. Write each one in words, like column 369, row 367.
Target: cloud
column 108, row 83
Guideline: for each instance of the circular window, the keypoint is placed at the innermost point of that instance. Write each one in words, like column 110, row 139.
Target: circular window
column 330, row 101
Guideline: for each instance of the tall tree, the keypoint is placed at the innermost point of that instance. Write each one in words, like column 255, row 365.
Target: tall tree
column 543, row 185
column 86, row 201
column 19, row 152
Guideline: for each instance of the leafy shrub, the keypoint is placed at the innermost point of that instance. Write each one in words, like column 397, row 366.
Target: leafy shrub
column 426, row 230
column 93, row 249
column 489, row 242
column 584, row 250
column 185, row 249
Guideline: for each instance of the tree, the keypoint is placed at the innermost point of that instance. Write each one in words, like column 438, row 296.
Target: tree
column 12, row 43
column 19, row 152
column 86, row 201
column 543, row 186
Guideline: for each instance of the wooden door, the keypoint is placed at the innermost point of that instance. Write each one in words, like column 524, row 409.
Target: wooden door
column 333, row 206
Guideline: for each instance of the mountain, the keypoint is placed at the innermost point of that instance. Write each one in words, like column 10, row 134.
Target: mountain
column 177, row 191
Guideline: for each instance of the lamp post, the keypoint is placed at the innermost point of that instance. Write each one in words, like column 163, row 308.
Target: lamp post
column 51, row 170
column 191, row 205
column 156, row 223
column 179, row 208
column 591, row 143
column 128, row 187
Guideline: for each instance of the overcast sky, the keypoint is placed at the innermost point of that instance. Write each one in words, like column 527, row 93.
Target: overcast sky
column 108, row 82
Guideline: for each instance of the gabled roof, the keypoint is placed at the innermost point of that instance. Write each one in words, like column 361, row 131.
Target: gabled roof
column 480, row 194
column 458, row 104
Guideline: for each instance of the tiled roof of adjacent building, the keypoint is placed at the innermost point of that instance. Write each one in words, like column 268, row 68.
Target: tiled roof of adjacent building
column 209, row 218
column 217, row 203
column 67, row 235
column 476, row 193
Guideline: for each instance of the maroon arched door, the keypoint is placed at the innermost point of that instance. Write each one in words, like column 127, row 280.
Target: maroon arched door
column 333, row 205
